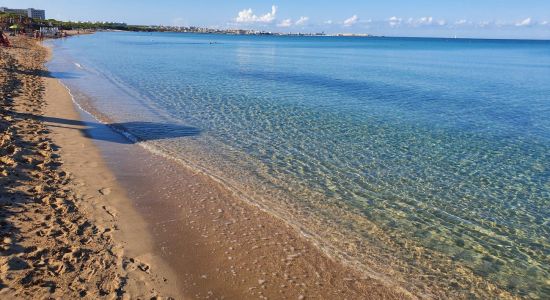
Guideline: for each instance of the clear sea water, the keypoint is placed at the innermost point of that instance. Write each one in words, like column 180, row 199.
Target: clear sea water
column 423, row 162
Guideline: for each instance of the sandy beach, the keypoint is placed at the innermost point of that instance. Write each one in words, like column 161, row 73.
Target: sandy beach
column 70, row 228
column 58, row 227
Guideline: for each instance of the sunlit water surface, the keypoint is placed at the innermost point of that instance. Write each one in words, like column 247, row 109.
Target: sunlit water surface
column 424, row 162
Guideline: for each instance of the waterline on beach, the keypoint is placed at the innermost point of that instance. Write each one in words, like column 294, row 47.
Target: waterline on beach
column 377, row 154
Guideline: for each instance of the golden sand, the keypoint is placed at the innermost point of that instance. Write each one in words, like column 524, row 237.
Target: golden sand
column 56, row 233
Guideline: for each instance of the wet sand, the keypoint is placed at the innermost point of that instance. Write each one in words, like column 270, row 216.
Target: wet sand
column 221, row 247
column 172, row 231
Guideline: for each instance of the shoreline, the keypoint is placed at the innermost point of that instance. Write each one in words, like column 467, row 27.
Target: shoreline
column 60, row 235
column 113, row 205
column 306, row 259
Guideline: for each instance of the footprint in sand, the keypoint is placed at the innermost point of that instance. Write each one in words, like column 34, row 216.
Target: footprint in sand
column 111, row 211
column 133, row 264
column 15, row 264
column 105, row 191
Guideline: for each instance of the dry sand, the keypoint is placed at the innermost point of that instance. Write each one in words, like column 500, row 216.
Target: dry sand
column 70, row 230
column 57, row 233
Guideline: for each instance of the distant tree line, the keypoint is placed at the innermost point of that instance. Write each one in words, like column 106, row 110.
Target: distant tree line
column 28, row 24
column 68, row 25
column 9, row 19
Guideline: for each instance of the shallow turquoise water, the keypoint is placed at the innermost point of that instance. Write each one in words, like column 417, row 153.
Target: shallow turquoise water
column 410, row 158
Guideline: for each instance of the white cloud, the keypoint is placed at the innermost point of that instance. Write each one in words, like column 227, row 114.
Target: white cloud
column 484, row 24
column 329, row 22
column 526, row 22
column 302, row 20
column 285, row 23
column 544, row 23
column 395, row 21
column 425, row 21
column 461, row 22
column 248, row 16
column 351, row 21
column 288, row 22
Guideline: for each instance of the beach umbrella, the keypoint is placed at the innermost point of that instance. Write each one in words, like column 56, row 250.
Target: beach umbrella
column 15, row 27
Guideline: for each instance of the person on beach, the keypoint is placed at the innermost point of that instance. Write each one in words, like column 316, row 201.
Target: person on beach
column 4, row 40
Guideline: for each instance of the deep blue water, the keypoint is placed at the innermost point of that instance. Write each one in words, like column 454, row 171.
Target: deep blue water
column 412, row 158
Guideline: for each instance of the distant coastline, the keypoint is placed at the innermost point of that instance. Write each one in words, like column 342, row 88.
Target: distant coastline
column 30, row 24
column 235, row 32
column 205, row 30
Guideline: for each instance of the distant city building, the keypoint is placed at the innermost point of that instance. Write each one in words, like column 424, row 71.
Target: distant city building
column 28, row 12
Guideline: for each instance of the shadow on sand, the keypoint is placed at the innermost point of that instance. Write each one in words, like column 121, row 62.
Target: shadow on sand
column 43, row 73
column 141, row 131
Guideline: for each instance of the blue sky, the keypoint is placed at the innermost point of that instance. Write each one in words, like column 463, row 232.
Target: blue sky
column 446, row 18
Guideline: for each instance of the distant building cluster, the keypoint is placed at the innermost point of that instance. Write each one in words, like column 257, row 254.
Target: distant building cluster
column 193, row 29
column 27, row 12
